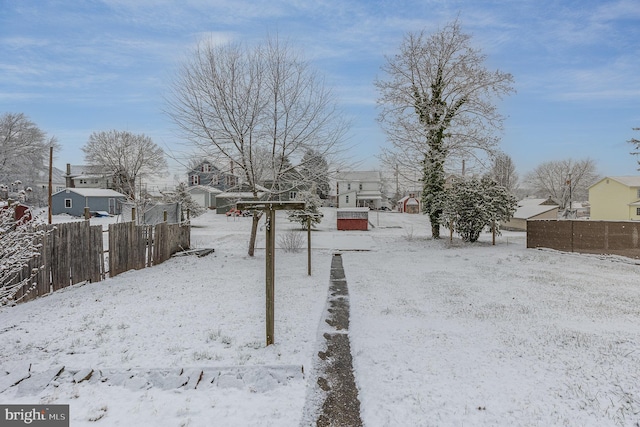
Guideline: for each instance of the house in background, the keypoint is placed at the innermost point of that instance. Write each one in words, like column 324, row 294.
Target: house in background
column 82, row 176
column 530, row 209
column 206, row 173
column 72, row 201
column 359, row 189
column 615, row 198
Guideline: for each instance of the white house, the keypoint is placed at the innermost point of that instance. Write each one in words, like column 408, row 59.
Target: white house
column 359, row 189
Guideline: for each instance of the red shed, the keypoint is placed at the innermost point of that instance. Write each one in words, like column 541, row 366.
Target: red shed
column 353, row 219
column 21, row 213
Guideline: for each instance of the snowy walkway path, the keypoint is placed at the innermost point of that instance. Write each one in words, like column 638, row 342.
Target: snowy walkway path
column 341, row 405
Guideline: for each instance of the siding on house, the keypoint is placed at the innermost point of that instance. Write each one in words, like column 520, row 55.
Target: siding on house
column 72, row 201
column 615, row 198
column 359, row 189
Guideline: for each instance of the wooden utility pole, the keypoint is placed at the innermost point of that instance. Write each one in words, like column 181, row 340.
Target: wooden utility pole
column 270, row 208
column 309, row 245
column 50, row 181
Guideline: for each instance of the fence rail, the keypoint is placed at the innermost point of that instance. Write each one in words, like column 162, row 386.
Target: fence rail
column 597, row 237
column 74, row 252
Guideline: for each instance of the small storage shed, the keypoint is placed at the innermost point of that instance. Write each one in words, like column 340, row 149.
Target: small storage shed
column 353, row 219
column 72, row 201
column 409, row 204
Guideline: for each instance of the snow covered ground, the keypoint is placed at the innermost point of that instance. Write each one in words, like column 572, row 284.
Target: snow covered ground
column 442, row 334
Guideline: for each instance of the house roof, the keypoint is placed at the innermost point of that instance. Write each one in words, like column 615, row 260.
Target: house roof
column 629, row 181
column 364, row 176
column 205, row 188
column 536, row 202
column 93, row 192
column 238, row 195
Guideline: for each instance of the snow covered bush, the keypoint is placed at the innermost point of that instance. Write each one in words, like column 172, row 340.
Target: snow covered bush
column 291, row 241
column 20, row 245
column 313, row 203
column 470, row 205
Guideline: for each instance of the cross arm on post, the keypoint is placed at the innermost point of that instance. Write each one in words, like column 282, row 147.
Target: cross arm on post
column 274, row 205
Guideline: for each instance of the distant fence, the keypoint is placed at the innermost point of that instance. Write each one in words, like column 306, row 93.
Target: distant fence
column 596, row 237
column 74, row 252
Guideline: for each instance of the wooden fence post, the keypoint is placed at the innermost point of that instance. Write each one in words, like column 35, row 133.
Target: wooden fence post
column 309, row 245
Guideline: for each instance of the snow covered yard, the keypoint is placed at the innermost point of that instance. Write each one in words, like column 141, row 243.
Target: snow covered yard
column 442, row 334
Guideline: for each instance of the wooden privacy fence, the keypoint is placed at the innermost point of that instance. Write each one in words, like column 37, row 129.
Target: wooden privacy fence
column 596, row 237
column 74, row 252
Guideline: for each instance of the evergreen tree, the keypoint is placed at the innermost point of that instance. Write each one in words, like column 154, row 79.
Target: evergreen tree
column 312, row 208
column 183, row 196
column 315, row 169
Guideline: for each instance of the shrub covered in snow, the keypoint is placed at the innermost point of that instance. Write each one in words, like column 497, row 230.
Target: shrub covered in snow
column 20, row 242
column 470, row 205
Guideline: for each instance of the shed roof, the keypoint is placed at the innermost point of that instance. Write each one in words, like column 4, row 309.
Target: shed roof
column 530, row 211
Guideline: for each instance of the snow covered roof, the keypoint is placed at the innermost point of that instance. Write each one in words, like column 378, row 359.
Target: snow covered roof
column 238, row 195
column 92, row 192
column 530, row 211
column 205, row 188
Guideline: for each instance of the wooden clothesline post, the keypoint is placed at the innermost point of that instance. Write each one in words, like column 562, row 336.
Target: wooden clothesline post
column 270, row 208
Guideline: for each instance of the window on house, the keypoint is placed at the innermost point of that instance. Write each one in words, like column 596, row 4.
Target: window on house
column 206, row 167
column 349, row 186
column 292, row 195
column 360, row 186
column 195, row 179
column 67, row 203
column 637, row 211
column 638, row 194
column 83, row 181
column 346, row 199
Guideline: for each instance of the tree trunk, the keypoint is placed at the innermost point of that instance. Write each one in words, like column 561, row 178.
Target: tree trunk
column 254, row 233
column 435, row 225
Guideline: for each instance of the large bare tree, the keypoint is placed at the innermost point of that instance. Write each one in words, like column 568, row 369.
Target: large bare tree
column 503, row 172
column 563, row 180
column 262, row 107
column 126, row 156
column 437, row 104
column 24, row 149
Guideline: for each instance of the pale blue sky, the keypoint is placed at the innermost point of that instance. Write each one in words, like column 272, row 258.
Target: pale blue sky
column 75, row 67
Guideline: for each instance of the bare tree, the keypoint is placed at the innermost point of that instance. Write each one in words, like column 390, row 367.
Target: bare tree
column 246, row 103
column 503, row 172
column 126, row 156
column 437, row 105
column 563, row 180
column 24, row 150
column 636, row 143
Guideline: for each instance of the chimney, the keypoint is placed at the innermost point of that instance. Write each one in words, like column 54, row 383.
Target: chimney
column 67, row 178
